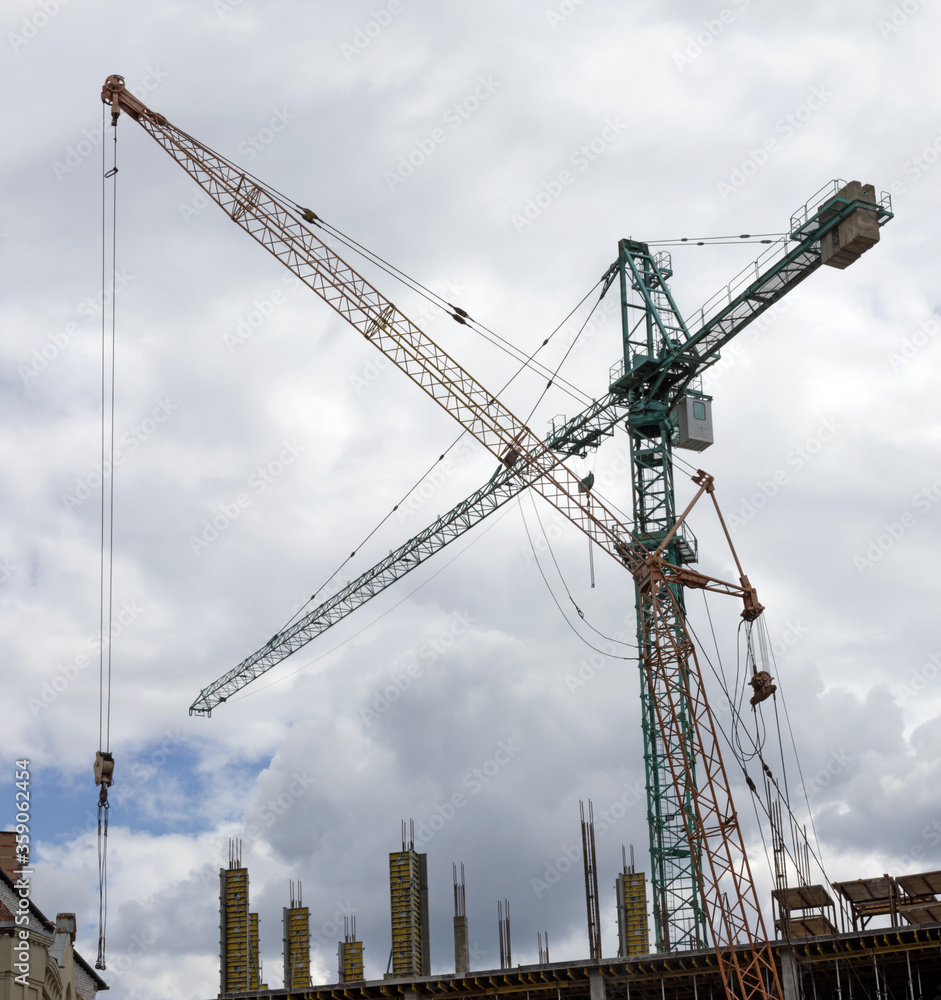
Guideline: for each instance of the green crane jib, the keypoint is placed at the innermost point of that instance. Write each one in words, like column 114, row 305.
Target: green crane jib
column 702, row 882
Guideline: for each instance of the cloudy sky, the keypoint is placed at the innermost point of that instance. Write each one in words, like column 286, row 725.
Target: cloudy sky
column 435, row 134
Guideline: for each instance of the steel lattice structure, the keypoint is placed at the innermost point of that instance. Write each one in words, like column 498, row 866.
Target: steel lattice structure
column 690, row 805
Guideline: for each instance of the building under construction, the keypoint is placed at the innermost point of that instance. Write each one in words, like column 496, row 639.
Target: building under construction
column 825, row 946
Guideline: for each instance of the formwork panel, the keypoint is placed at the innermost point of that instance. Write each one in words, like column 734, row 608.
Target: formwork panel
column 405, row 891
column 351, row 962
column 633, row 934
column 296, row 924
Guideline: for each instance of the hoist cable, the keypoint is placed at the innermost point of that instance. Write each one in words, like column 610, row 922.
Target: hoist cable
column 581, row 614
column 104, row 759
column 800, row 771
column 389, row 268
column 816, row 854
column 741, row 764
column 258, row 689
column 421, row 479
column 555, row 601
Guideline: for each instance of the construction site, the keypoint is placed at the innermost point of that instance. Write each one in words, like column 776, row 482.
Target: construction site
column 695, row 919
column 693, row 924
column 871, row 937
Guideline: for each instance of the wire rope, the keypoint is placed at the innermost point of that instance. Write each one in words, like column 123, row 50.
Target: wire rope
column 555, row 600
column 446, row 451
column 408, row 596
column 384, row 265
column 104, row 760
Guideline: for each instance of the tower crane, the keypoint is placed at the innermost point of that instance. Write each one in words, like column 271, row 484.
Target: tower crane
column 647, row 387
column 711, row 891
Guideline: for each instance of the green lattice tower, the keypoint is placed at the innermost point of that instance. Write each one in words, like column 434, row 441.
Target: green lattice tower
column 652, row 332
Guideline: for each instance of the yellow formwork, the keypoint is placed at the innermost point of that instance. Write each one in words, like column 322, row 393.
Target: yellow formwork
column 633, row 936
column 296, row 946
column 351, row 962
column 254, row 958
column 234, row 930
column 240, row 963
column 405, row 889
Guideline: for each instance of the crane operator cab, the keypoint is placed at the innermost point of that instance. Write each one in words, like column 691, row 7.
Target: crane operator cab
column 693, row 421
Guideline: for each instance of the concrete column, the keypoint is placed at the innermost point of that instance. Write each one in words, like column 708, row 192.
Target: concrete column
column 790, row 974
column 596, row 981
column 461, row 949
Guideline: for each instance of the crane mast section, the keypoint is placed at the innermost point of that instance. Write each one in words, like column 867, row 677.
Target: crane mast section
column 682, row 712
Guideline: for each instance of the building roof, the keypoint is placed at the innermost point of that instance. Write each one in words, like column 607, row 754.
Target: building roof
column 46, row 925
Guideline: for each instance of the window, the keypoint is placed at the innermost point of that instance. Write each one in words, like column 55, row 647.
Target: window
column 699, row 409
